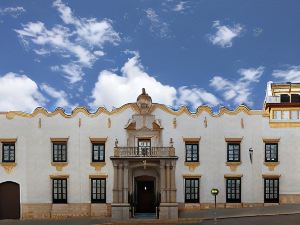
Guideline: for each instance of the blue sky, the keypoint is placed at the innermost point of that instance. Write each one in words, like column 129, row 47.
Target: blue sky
column 101, row 53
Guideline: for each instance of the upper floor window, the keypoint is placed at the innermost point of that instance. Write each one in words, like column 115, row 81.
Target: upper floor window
column 271, row 152
column 98, row 154
column 191, row 152
column 192, row 190
column 98, row 192
column 144, row 147
column 59, row 151
column 233, row 152
column 271, row 190
column 233, row 190
column 59, row 191
column 8, row 152
column 284, row 98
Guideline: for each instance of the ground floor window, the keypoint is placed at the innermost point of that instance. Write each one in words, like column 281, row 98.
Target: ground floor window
column 191, row 190
column 271, row 191
column 98, row 192
column 59, row 191
column 233, row 190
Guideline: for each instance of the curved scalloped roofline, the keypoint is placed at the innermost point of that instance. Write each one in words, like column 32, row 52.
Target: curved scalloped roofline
column 102, row 110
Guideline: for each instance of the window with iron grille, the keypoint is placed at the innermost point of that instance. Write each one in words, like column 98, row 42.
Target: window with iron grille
column 233, row 190
column 192, row 190
column 98, row 154
column 98, row 192
column 233, row 152
column 59, row 191
column 271, row 152
column 8, row 152
column 59, row 152
column 271, row 191
column 191, row 152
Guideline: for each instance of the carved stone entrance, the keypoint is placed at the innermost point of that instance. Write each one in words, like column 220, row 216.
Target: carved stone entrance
column 143, row 162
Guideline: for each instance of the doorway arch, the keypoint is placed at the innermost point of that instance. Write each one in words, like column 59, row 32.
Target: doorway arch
column 9, row 200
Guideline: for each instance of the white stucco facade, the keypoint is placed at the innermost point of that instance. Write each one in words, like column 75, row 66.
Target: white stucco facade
column 34, row 172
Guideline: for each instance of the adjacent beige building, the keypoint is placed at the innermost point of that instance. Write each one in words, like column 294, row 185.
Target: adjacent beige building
column 147, row 158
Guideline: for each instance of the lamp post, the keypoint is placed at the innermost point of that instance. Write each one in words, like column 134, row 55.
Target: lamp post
column 251, row 154
column 215, row 192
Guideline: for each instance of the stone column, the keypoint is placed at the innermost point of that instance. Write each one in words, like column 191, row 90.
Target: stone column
column 120, row 183
column 125, row 185
column 173, row 183
column 162, row 181
column 115, row 187
column 168, row 182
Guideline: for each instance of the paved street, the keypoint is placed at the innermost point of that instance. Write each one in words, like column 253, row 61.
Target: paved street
column 259, row 220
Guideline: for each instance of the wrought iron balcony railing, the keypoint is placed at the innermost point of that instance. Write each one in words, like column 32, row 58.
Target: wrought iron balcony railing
column 144, row 152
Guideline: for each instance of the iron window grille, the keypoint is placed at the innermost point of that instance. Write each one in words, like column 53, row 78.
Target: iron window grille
column 233, row 152
column 233, row 190
column 8, row 152
column 191, row 152
column 98, row 152
column 59, row 152
column 192, row 190
column 98, row 190
column 59, row 187
column 271, row 152
column 271, row 190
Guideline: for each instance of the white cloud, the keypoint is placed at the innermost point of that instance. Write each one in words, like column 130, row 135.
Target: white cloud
column 12, row 11
column 157, row 26
column 114, row 90
column 180, row 7
column 80, row 40
column 238, row 91
column 19, row 92
column 291, row 74
column 60, row 96
column 225, row 34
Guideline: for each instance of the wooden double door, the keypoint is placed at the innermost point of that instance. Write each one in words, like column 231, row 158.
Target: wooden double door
column 145, row 195
column 9, row 200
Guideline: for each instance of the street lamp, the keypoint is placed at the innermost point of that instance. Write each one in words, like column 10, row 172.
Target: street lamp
column 251, row 154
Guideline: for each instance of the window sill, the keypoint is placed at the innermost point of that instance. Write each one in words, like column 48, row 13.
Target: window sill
column 233, row 165
column 192, row 165
column 97, row 165
column 8, row 166
column 271, row 165
column 59, row 165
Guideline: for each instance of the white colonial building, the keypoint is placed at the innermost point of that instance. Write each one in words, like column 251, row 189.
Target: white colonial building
column 147, row 158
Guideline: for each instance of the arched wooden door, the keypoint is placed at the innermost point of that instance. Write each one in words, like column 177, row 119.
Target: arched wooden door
column 9, row 200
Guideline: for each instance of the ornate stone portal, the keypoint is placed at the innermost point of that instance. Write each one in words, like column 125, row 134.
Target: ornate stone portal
column 144, row 170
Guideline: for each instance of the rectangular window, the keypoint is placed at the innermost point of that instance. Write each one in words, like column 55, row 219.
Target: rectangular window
column 285, row 115
column 8, row 152
column 233, row 152
column 59, row 190
column 277, row 115
column 98, row 192
column 144, row 147
column 59, row 151
column 233, row 190
column 294, row 114
column 191, row 152
column 271, row 152
column 98, row 152
column 192, row 190
column 271, row 191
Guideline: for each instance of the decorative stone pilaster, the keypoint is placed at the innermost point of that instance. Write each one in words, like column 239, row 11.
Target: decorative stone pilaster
column 162, row 181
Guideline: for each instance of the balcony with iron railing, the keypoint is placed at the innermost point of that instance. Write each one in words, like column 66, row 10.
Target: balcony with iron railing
column 144, row 152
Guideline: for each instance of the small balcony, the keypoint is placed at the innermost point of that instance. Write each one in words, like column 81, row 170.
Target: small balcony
column 272, row 99
column 144, row 152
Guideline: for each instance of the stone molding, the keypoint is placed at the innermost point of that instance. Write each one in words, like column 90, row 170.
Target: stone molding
column 8, row 166
column 271, row 165
column 59, row 165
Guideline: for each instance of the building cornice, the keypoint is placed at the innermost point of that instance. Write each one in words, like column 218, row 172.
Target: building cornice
column 134, row 107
